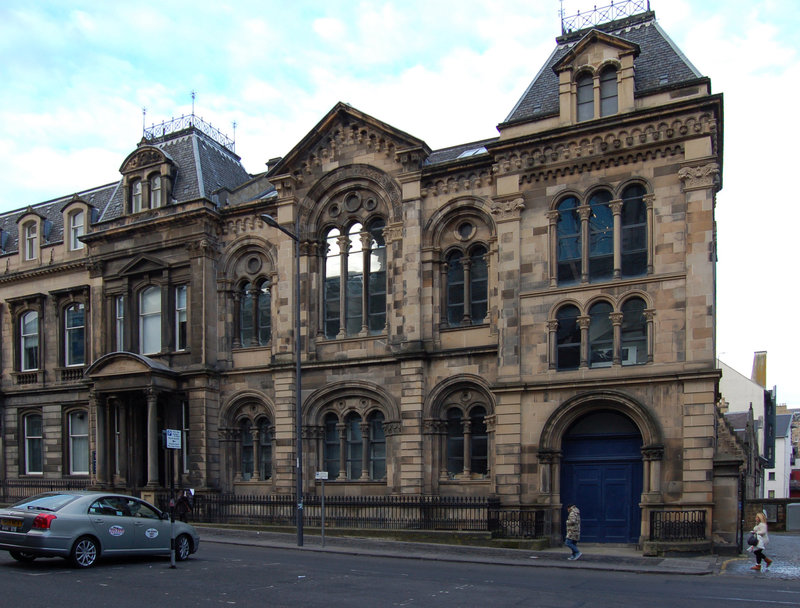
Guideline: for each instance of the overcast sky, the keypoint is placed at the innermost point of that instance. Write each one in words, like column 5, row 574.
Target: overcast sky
column 74, row 77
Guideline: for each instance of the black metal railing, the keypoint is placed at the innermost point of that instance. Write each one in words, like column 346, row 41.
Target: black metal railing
column 12, row 490
column 516, row 523
column 157, row 132
column 603, row 14
column 677, row 525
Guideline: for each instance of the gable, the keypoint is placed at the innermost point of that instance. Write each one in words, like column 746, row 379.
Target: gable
column 595, row 48
column 142, row 265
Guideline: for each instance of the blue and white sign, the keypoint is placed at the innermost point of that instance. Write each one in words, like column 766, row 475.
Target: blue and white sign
column 173, row 439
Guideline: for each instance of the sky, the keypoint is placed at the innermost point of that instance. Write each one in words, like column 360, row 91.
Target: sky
column 79, row 79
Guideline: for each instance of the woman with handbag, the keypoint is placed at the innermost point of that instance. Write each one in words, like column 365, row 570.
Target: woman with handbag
column 762, row 538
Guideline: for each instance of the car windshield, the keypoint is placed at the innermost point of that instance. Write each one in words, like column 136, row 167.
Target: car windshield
column 46, row 502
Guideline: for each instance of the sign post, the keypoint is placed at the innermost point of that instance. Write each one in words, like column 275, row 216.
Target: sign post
column 322, row 476
column 172, row 441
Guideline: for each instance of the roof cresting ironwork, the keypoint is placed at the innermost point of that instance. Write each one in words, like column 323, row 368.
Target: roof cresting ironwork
column 603, row 14
column 174, row 125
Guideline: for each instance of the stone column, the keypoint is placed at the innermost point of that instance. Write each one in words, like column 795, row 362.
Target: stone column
column 101, row 441
column 552, row 236
column 585, row 212
column 364, row 450
column 616, row 210
column 616, row 323
column 152, row 438
column 467, row 426
column 583, row 323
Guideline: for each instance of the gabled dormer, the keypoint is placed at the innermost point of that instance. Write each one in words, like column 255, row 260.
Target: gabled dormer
column 148, row 175
column 77, row 216
column 595, row 78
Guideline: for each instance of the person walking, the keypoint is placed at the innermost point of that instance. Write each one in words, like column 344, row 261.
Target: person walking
column 760, row 530
column 573, row 531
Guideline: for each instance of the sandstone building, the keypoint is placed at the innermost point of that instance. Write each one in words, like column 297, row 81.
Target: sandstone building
column 529, row 317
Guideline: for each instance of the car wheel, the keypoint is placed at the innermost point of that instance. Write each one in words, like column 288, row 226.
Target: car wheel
column 183, row 547
column 21, row 556
column 84, row 552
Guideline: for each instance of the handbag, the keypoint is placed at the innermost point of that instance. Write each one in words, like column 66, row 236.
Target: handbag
column 752, row 540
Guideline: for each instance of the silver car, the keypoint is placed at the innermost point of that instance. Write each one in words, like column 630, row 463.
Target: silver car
column 82, row 526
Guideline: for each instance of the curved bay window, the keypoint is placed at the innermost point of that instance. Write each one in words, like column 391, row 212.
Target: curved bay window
column 255, row 314
column 467, row 443
column 354, row 292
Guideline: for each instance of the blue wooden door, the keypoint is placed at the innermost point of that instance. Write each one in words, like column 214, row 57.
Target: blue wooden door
column 601, row 472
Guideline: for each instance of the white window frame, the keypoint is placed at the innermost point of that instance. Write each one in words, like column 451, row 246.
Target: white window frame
column 156, row 192
column 78, row 440
column 76, row 230
column 68, row 331
column 149, row 319
column 25, row 338
column 33, row 442
column 31, row 241
column 119, row 322
column 136, row 196
column 181, row 317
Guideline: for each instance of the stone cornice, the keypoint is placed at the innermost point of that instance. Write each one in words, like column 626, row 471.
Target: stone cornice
column 42, row 271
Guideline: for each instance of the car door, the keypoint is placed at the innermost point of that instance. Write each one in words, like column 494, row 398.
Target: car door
column 150, row 532
column 112, row 523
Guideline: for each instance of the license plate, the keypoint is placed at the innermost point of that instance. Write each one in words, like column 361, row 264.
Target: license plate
column 10, row 525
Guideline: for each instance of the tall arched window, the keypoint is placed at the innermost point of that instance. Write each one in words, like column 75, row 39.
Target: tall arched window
column 150, row 321
column 136, row 196
column 377, row 446
column 634, row 231
column 355, row 444
column 601, row 335
column 479, row 284
column 568, row 338
column 246, row 438
column 455, row 288
column 354, row 292
column 467, row 286
column 585, row 96
column 264, row 449
column 331, row 447
column 31, row 232
column 601, row 237
column 634, row 332
column 76, row 229
column 29, row 341
column 75, row 335
column 333, row 274
column 155, row 192
column 377, row 277
column 455, row 442
column 255, row 315
column 479, row 441
column 569, row 241
column 608, row 91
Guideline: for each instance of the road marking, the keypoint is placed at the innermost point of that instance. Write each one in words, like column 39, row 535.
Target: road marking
column 760, row 600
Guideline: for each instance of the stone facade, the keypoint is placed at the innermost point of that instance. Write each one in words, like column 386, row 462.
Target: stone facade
column 529, row 317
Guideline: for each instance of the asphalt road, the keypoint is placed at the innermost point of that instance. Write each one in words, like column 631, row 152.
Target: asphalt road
column 232, row 575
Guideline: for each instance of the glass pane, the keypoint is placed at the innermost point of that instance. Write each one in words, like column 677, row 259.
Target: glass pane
column 568, row 339
column 634, row 332
column 608, row 92
column 355, row 281
column 585, row 97
column 75, row 342
column 377, row 455
column 376, row 304
column 634, row 231
column 332, row 446
column 601, row 237
column 601, row 336
column 247, row 451
column 455, row 443
column 479, row 287
column 246, row 315
column 479, row 441
column 568, row 231
column 264, row 315
column 333, row 271
column 354, row 447
column 455, row 289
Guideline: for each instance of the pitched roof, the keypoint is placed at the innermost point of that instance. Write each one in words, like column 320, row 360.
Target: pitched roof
column 659, row 65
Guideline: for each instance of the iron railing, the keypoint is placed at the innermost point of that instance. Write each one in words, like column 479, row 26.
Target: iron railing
column 677, row 525
column 515, row 523
column 157, row 131
column 603, row 14
column 12, row 490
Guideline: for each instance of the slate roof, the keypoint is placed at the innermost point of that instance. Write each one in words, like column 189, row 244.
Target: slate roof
column 204, row 166
column 783, row 425
column 659, row 65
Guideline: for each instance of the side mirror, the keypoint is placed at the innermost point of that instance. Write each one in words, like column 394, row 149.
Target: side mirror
column 164, row 515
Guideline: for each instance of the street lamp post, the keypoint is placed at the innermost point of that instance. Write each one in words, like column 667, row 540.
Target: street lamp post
column 270, row 221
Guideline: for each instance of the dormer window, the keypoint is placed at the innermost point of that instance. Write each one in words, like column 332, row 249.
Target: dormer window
column 155, row 191
column 608, row 91
column 136, row 196
column 76, row 230
column 31, row 232
column 585, row 96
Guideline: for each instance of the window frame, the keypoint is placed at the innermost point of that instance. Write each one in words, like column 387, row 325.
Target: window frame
column 33, row 443
column 181, row 314
column 76, row 229
column 31, row 233
column 608, row 91
column 148, row 318
column 73, row 438
column 70, row 344
column 33, row 336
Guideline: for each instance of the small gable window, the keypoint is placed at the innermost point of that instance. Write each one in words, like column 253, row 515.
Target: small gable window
column 136, row 196
column 31, row 232
column 155, row 191
column 76, row 230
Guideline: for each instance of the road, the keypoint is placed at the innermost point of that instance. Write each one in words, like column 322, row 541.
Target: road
column 232, row 575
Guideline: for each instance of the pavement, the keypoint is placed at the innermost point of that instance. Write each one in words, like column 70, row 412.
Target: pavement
column 595, row 556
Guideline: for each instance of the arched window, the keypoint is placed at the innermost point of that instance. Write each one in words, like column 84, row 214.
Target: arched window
column 354, row 292
column 136, row 196
column 333, row 274
column 601, row 335
column 377, row 446
column 33, row 444
column 634, row 332
column 355, row 444
column 455, row 442
column 479, row 284
column 568, row 338
column 467, row 286
column 569, row 241
column 358, row 306
column 79, row 443
column 31, row 232
column 601, row 237
column 634, row 231
column 264, row 449
column 155, row 192
column 29, row 341
column 331, row 446
column 479, row 441
column 585, row 96
column 255, row 315
column 150, row 320
column 246, row 438
column 377, row 277
column 608, row 91
column 75, row 335
column 76, row 230
column 455, row 289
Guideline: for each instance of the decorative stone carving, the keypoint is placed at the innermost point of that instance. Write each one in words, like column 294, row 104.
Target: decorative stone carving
column 694, row 178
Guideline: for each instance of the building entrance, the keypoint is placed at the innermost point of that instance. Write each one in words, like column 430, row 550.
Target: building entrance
column 601, row 472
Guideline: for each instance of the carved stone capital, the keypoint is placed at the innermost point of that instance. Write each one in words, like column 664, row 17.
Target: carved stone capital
column 696, row 178
column 510, row 209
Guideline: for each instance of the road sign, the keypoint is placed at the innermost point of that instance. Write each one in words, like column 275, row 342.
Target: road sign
column 322, row 475
column 173, row 439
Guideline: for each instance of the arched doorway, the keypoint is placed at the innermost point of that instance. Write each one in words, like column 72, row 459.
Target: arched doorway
column 601, row 472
